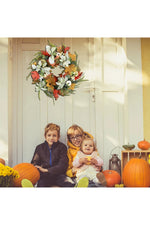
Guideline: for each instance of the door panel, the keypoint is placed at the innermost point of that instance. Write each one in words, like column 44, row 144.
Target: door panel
column 96, row 105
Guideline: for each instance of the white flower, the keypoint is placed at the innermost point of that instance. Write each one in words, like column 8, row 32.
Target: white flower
column 51, row 59
column 66, row 63
column 61, row 82
column 46, row 70
column 57, row 71
column 42, row 62
column 68, row 83
column 67, row 56
column 58, row 54
column 33, row 66
column 40, row 86
column 50, row 49
column 47, row 49
column 41, row 78
column 62, row 58
column 65, row 60
column 38, row 67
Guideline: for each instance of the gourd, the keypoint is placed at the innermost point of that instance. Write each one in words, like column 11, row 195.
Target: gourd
column 136, row 173
column 128, row 147
column 2, row 161
column 112, row 177
column 144, row 145
column 26, row 171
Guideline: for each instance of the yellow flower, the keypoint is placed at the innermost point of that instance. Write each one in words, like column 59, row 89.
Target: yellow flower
column 72, row 86
column 1, row 165
column 70, row 68
column 4, row 173
column 50, row 82
column 72, row 56
column 16, row 174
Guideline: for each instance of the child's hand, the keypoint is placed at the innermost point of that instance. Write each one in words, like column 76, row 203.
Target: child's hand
column 83, row 161
column 42, row 169
column 94, row 161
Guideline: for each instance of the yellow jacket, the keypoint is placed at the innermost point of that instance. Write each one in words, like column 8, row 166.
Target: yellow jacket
column 72, row 152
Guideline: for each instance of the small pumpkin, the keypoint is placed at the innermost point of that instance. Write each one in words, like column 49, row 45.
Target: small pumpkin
column 144, row 145
column 26, row 171
column 136, row 173
column 112, row 177
column 2, row 161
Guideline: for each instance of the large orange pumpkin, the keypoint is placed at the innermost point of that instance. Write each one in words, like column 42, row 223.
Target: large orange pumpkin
column 144, row 145
column 26, row 171
column 2, row 161
column 136, row 173
column 112, row 177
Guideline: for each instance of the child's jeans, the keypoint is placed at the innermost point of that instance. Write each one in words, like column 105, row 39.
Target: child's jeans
column 61, row 180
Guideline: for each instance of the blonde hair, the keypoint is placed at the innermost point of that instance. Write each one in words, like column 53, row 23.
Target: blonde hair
column 52, row 126
column 88, row 138
column 72, row 129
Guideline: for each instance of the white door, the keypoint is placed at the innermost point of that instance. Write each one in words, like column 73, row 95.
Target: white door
column 98, row 105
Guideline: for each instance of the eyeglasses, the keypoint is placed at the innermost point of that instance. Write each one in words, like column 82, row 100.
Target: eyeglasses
column 77, row 137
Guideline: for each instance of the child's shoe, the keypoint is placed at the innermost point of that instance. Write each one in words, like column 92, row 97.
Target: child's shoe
column 101, row 179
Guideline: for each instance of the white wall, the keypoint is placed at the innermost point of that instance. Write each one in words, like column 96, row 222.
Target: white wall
column 4, row 98
column 134, row 91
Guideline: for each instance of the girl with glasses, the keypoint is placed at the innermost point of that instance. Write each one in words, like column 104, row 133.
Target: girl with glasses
column 75, row 135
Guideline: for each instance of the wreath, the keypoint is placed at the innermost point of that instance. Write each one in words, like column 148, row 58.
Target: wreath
column 55, row 71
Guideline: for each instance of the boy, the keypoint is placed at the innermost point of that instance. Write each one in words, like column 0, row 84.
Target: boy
column 51, row 159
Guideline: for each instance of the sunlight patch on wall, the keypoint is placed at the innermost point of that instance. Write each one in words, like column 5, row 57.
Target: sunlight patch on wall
column 146, row 79
column 133, row 75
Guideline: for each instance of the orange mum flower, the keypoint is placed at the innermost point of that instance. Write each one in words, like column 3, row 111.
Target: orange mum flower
column 72, row 86
column 50, row 82
column 70, row 68
column 72, row 56
column 59, row 49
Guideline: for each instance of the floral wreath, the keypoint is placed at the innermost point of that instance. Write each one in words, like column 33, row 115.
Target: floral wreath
column 55, row 71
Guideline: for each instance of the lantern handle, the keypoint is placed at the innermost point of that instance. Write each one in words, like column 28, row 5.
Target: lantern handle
column 114, row 149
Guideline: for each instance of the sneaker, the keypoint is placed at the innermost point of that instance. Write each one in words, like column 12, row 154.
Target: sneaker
column 101, row 179
column 83, row 182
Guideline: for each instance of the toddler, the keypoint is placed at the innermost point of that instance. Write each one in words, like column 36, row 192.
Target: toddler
column 87, row 163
